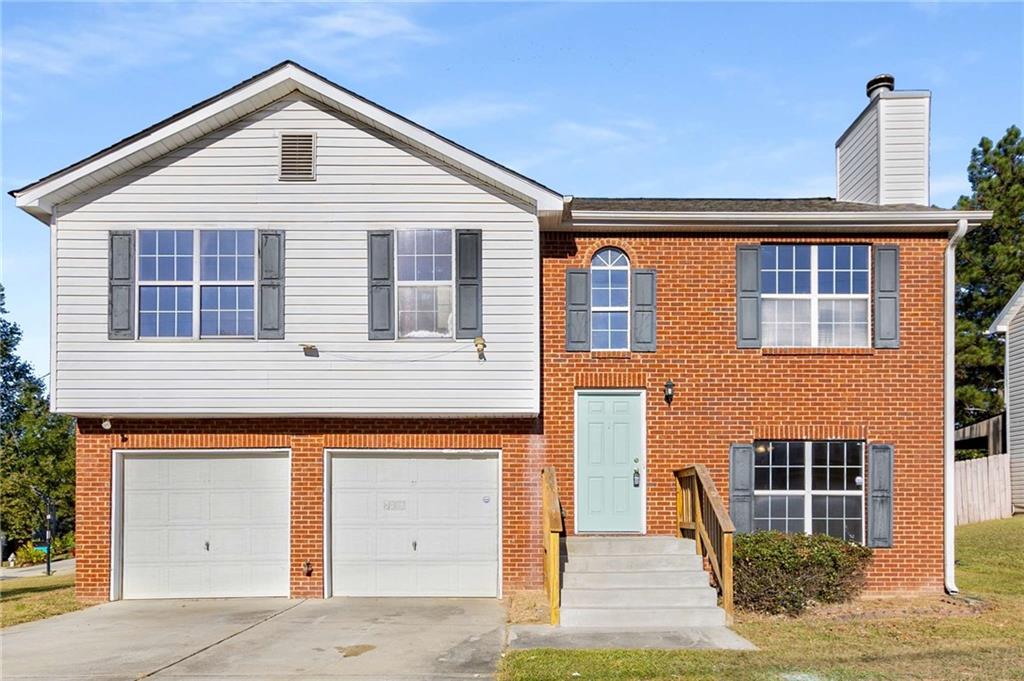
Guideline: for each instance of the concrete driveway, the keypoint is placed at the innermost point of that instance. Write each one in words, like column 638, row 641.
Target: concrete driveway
column 340, row 638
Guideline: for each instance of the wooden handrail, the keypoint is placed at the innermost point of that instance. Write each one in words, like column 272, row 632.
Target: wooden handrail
column 551, row 539
column 701, row 516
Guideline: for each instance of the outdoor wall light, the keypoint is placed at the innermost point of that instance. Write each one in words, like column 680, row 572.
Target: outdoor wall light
column 105, row 424
column 670, row 391
column 310, row 350
column 479, row 343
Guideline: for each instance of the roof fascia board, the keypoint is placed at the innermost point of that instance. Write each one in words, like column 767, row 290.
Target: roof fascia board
column 290, row 77
column 783, row 221
column 1002, row 322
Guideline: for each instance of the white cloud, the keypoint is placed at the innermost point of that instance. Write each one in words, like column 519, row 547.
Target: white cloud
column 232, row 37
column 469, row 111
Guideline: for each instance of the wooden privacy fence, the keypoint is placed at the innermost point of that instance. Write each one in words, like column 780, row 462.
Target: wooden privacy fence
column 983, row 489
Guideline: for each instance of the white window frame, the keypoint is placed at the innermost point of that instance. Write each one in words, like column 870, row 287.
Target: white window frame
column 808, row 492
column 816, row 297
column 196, row 282
column 629, row 297
column 399, row 284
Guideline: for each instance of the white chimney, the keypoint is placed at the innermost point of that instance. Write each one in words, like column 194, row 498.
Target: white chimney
column 882, row 158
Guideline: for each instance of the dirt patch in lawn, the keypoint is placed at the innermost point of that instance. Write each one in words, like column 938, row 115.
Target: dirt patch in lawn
column 881, row 609
column 528, row 607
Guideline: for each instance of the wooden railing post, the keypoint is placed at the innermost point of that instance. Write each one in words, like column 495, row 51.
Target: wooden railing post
column 551, row 540
column 699, row 509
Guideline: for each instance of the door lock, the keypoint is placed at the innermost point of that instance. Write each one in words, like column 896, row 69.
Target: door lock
column 636, row 477
column 207, row 546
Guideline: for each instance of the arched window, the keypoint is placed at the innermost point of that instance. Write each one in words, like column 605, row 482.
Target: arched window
column 609, row 300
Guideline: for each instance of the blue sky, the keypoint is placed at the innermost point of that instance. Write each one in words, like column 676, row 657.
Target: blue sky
column 590, row 99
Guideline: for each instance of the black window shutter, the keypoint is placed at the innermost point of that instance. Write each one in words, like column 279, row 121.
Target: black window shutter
column 381, row 285
column 880, row 474
column 741, row 486
column 748, row 296
column 643, row 311
column 271, row 284
column 121, row 302
column 469, row 283
column 577, row 310
column 887, row 296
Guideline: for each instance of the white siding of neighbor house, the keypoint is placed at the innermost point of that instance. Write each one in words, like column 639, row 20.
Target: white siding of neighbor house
column 857, row 160
column 904, row 127
column 229, row 178
column 1015, row 406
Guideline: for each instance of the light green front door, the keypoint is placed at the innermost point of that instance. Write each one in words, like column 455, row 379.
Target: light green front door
column 609, row 462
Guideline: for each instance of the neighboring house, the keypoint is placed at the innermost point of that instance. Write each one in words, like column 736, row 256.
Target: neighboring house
column 1010, row 322
column 315, row 349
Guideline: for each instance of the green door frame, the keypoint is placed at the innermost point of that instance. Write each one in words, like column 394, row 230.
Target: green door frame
column 641, row 395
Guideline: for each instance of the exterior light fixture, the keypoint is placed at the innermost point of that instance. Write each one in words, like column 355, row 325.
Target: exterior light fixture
column 105, row 425
column 670, row 391
column 479, row 343
column 310, row 350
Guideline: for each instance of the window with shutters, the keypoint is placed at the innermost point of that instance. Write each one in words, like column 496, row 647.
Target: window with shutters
column 298, row 156
column 217, row 279
column 815, row 295
column 811, row 487
column 609, row 300
column 425, row 283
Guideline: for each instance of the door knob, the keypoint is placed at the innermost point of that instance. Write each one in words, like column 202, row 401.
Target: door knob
column 636, row 477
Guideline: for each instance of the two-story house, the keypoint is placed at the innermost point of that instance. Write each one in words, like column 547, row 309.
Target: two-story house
column 315, row 349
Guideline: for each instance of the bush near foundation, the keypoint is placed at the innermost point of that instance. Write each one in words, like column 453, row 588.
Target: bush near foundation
column 777, row 573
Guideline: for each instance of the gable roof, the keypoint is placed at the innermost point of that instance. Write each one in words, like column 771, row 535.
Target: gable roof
column 809, row 205
column 39, row 197
column 1016, row 304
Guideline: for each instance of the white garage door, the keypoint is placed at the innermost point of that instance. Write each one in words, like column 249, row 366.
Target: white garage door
column 415, row 525
column 205, row 525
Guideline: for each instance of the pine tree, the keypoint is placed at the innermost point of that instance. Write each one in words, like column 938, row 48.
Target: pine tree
column 990, row 267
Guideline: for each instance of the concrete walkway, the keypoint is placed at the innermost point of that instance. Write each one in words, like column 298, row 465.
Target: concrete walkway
column 262, row 638
column 60, row 567
column 522, row 637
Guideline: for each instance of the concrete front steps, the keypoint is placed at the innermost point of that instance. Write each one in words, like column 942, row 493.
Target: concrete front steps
column 636, row 583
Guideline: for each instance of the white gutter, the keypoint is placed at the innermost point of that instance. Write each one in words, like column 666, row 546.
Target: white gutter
column 949, row 392
column 818, row 221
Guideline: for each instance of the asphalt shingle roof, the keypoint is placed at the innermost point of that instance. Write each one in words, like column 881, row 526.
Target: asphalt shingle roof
column 810, row 205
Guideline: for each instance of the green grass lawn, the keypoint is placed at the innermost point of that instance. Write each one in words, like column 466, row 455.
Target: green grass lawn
column 34, row 598
column 911, row 638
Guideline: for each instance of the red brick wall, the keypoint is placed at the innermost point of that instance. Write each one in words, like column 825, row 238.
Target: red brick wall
column 307, row 439
column 725, row 394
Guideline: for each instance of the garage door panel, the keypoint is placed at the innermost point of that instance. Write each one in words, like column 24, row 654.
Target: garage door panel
column 147, row 508
column 445, row 503
column 175, row 504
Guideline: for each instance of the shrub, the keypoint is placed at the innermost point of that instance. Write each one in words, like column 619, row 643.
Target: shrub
column 64, row 544
column 783, row 573
column 27, row 554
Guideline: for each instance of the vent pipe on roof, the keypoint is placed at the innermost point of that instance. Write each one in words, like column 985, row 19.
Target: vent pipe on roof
column 881, row 82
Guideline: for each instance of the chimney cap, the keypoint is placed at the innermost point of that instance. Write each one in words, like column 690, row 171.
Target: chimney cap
column 883, row 81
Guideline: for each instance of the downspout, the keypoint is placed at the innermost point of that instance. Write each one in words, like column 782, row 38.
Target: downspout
column 949, row 395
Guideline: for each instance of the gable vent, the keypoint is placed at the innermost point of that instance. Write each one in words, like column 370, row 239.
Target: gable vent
column 297, row 156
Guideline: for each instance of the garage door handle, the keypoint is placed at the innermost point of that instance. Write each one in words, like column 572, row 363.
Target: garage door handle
column 207, row 546
column 414, row 545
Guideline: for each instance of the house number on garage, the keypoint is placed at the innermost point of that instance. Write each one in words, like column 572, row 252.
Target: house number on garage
column 394, row 505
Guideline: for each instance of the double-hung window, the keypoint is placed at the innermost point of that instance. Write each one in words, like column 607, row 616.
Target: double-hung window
column 811, row 487
column 815, row 295
column 176, row 279
column 425, row 284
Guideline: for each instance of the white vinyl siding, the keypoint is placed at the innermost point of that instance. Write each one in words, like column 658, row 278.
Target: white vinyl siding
column 1015, row 406
column 857, row 160
column 229, row 179
column 903, row 125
